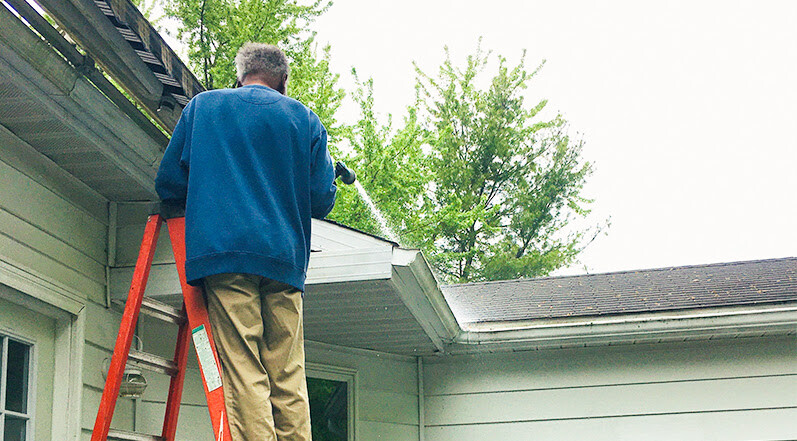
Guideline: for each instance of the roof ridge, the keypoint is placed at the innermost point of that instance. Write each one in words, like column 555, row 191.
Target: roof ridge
column 702, row 265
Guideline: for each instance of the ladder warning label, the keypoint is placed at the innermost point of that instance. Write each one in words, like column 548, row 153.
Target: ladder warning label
column 207, row 362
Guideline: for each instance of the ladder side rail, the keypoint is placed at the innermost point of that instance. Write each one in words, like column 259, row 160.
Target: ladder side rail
column 176, row 384
column 127, row 327
column 197, row 313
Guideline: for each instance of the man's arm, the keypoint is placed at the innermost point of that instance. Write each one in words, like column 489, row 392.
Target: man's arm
column 322, row 177
column 172, row 180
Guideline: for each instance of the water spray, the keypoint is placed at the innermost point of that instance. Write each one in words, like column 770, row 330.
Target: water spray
column 348, row 176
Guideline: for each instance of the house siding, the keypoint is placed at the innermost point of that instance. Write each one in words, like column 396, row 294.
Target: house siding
column 49, row 236
column 387, row 392
column 716, row 389
column 51, row 228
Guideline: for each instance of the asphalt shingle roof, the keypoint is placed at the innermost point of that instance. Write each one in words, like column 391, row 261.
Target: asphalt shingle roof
column 627, row 292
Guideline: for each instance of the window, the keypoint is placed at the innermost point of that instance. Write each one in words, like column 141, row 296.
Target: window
column 329, row 409
column 331, row 390
column 15, row 409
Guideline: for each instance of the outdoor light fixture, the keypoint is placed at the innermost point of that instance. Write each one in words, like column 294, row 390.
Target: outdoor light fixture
column 133, row 382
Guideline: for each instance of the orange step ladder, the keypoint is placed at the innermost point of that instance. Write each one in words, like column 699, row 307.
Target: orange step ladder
column 193, row 321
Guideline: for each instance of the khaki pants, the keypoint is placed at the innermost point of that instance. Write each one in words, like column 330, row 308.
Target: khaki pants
column 257, row 328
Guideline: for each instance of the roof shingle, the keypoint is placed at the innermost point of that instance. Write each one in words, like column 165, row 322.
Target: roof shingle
column 627, row 292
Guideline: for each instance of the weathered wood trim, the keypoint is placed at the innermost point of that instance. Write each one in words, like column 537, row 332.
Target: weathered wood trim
column 86, row 66
column 128, row 13
column 96, row 34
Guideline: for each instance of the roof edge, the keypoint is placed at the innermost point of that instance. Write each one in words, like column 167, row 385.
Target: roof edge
column 667, row 268
column 708, row 322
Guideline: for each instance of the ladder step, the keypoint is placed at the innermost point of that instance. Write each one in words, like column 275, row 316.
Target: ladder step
column 152, row 362
column 159, row 310
column 132, row 436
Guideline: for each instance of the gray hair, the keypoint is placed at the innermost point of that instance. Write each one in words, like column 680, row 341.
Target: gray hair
column 261, row 58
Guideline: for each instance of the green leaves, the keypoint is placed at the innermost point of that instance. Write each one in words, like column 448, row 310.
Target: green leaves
column 505, row 184
column 213, row 30
column 391, row 167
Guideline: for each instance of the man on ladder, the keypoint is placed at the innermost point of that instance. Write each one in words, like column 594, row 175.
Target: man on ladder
column 252, row 167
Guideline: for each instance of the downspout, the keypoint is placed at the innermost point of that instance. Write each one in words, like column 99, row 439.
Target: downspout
column 421, row 412
column 111, row 244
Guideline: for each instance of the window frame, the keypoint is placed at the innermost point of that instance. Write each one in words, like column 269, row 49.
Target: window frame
column 342, row 374
column 29, row 416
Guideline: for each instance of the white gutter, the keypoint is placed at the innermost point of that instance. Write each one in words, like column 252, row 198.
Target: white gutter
column 670, row 325
column 414, row 283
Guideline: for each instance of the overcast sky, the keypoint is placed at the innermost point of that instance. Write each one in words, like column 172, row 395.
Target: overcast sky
column 688, row 108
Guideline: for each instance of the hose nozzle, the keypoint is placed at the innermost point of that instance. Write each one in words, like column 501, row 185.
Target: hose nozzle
column 346, row 175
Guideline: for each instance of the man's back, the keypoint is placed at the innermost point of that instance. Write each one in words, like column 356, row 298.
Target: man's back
column 257, row 169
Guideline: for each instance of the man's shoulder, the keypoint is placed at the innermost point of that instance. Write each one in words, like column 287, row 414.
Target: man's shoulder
column 212, row 94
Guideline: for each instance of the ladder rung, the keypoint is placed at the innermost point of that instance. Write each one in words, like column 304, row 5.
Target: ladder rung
column 132, row 436
column 158, row 310
column 152, row 362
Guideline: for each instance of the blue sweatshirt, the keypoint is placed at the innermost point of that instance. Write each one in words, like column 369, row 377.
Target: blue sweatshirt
column 252, row 168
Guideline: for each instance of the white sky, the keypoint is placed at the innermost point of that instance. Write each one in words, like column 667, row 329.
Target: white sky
column 688, row 108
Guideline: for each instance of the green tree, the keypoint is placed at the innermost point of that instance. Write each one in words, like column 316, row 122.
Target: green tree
column 506, row 183
column 213, row 30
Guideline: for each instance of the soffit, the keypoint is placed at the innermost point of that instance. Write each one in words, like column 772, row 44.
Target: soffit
column 365, row 315
column 51, row 107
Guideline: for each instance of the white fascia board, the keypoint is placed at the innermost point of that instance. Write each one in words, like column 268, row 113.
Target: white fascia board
column 325, row 267
column 349, row 265
column 698, row 323
column 48, row 291
column 568, row 332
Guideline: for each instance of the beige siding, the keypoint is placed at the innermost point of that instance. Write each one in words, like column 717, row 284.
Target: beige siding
column 725, row 426
column 372, row 430
column 718, row 389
